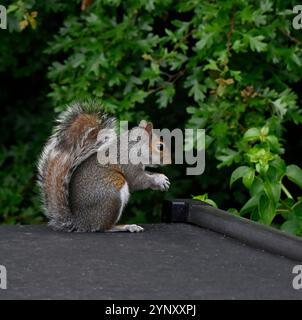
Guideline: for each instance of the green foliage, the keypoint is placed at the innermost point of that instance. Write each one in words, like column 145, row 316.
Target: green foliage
column 264, row 175
column 205, row 198
column 26, row 117
column 17, row 185
column 19, row 198
column 230, row 67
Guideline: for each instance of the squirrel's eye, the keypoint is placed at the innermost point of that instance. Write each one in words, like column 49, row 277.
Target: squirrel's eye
column 160, row 146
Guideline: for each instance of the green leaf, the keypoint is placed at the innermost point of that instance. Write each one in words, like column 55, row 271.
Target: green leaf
column 246, row 14
column 239, row 46
column 236, row 75
column 257, row 187
column 201, row 197
column 256, row 43
column 294, row 174
column 279, row 164
column 197, row 91
column 138, row 96
column 171, row 35
column 77, row 60
column 206, row 40
column 252, row 134
column 285, row 208
column 274, row 144
column 239, row 173
column 275, row 173
column 280, row 107
column 273, row 191
column 266, row 6
column 266, row 209
column 292, row 226
column 294, row 223
column 212, row 65
column 296, row 60
column 191, row 110
column 165, row 96
column 149, row 5
column 211, row 202
column 234, row 211
column 297, row 210
column 12, row 8
column 227, row 156
column 204, row 198
column 255, row 214
column 251, row 204
column 248, row 178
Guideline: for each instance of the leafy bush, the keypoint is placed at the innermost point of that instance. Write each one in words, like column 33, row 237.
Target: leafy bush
column 232, row 61
column 264, row 177
column 231, row 67
column 26, row 116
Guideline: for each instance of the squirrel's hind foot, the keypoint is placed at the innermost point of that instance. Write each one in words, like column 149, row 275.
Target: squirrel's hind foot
column 127, row 228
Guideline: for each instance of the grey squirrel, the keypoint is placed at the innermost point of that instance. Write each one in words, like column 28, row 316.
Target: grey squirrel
column 80, row 194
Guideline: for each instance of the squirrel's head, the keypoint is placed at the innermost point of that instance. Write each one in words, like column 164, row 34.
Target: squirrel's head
column 159, row 152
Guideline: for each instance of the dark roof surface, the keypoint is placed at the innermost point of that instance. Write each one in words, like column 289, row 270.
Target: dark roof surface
column 167, row 261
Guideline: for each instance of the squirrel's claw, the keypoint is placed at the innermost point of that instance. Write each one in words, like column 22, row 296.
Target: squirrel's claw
column 161, row 182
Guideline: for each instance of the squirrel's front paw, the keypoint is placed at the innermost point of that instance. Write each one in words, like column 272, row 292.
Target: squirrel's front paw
column 160, row 182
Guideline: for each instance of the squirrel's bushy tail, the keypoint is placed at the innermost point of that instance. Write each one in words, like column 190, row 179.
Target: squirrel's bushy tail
column 74, row 139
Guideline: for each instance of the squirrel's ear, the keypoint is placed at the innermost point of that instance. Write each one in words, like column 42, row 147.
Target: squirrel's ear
column 149, row 128
column 143, row 124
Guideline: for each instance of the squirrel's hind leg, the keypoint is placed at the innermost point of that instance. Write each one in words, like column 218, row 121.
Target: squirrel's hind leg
column 124, row 196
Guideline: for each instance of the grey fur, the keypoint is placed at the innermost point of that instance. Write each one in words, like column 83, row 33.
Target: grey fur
column 87, row 201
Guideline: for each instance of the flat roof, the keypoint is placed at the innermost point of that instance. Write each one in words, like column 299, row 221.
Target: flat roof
column 167, row 261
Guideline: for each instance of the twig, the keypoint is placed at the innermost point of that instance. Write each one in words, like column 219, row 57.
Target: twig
column 293, row 39
column 230, row 33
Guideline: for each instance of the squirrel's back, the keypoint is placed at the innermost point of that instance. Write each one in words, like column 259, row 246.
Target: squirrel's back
column 74, row 140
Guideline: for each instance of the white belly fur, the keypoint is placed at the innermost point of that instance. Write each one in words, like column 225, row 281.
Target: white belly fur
column 124, row 196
